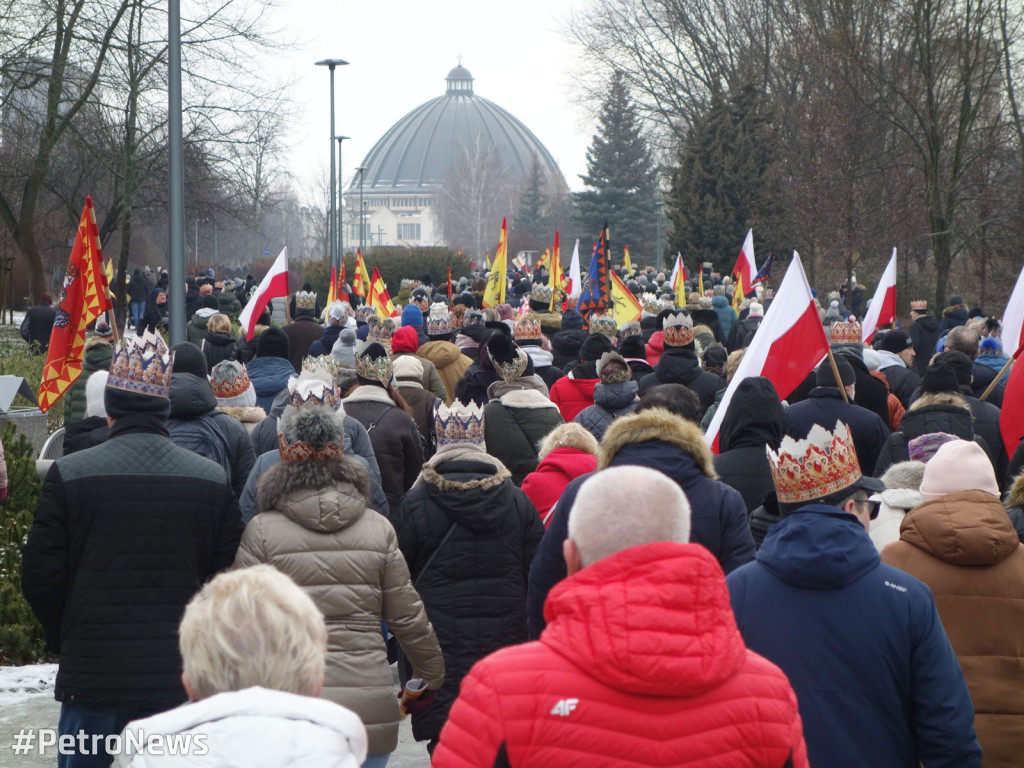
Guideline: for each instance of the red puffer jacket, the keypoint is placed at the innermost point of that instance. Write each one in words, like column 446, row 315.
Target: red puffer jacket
column 641, row 664
column 572, row 395
column 545, row 484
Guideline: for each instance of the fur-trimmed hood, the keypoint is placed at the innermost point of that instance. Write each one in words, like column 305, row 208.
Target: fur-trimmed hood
column 325, row 495
column 657, row 424
column 952, row 308
column 432, row 477
column 247, row 414
column 1015, row 498
column 368, row 393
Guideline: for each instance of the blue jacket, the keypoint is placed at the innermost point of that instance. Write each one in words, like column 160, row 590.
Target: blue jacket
column 719, row 517
column 726, row 314
column 269, row 375
column 325, row 343
column 875, row 675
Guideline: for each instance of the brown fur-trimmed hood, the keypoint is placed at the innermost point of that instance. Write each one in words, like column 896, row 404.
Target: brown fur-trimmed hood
column 432, row 477
column 953, row 308
column 323, row 495
column 247, row 414
column 1015, row 498
column 657, row 424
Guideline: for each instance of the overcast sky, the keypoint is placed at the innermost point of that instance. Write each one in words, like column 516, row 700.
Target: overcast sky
column 399, row 52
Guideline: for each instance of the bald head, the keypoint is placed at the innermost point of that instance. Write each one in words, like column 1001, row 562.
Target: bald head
column 622, row 507
column 962, row 339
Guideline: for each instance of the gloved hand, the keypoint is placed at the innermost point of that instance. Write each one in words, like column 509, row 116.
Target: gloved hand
column 412, row 706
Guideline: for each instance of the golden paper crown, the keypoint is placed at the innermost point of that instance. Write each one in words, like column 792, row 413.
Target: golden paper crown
column 845, row 332
column 303, row 392
column 142, row 364
column 439, row 321
column 678, row 329
column 324, row 363
column 459, row 424
column 541, row 293
column 305, row 300
column 604, row 324
column 527, row 328
column 821, row 464
column 651, row 303
column 381, row 329
column 375, row 369
column 920, row 305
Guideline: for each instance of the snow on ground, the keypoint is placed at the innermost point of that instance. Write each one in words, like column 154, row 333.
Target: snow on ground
column 18, row 684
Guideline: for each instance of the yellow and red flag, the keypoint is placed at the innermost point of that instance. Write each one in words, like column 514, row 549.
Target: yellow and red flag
column 543, row 260
column 449, row 285
column 679, row 286
column 737, row 296
column 332, row 289
column 627, row 263
column 361, row 280
column 494, row 294
column 340, row 293
column 557, row 281
column 84, row 296
column 379, row 297
column 625, row 306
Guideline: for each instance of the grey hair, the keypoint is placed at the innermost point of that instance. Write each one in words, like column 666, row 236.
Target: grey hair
column 317, row 425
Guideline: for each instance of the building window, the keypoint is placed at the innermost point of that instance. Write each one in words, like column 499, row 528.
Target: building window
column 408, row 231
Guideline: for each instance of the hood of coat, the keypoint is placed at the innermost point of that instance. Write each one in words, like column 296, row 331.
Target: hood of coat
column 720, row 301
column 570, row 462
column 98, row 354
column 755, row 417
column 957, row 312
column 656, row 344
column 649, row 432
column 899, row 498
column 1015, row 498
column 928, row 324
column 247, row 414
column 473, row 493
column 191, row 396
column 368, row 393
column 540, row 357
column 967, row 528
column 615, row 396
column 517, row 389
column 202, row 315
column 440, row 353
column 219, row 339
column 679, row 365
column 324, row 496
column 269, row 374
column 652, row 620
column 818, row 547
column 937, row 418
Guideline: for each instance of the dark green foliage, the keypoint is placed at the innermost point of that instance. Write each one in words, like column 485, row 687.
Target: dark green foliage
column 723, row 184
column 21, row 637
column 530, row 224
column 622, row 180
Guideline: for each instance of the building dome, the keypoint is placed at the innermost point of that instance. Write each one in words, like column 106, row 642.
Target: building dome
column 417, row 153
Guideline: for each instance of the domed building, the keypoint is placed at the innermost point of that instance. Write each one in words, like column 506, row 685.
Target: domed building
column 410, row 163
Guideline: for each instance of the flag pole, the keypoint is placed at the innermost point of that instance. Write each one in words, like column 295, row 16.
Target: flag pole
column 839, row 379
column 995, row 382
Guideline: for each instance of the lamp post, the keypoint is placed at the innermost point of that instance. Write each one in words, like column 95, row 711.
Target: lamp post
column 340, row 229
column 331, row 64
column 362, row 211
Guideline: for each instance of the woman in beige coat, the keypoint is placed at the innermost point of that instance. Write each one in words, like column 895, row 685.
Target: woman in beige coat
column 315, row 525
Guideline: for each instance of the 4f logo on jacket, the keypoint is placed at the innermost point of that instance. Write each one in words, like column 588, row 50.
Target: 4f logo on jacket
column 565, row 707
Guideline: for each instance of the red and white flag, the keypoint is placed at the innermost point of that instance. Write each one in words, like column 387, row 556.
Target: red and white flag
column 1011, row 419
column 745, row 266
column 1013, row 319
column 575, row 280
column 273, row 285
column 883, row 306
column 788, row 344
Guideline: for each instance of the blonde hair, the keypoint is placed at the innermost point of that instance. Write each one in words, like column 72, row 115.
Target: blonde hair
column 732, row 362
column 658, row 511
column 219, row 323
column 251, row 627
column 571, row 435
column 941, row 398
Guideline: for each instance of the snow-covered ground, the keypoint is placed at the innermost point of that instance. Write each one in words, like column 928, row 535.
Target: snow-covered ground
column 26, row 702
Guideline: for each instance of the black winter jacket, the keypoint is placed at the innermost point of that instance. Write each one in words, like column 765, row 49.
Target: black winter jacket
column 825, row 406
column 475, row 588
column 325, row 343
column 565, row 346
column 870, row 392
column 681, row 366
column 924, row 332
column 218, row 347
column 85, row 433
column 193, row 401
column 124, row 535
column 926, row 420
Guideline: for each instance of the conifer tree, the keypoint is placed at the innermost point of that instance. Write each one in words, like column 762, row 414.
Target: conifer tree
column 621, row 179
column 530, row 224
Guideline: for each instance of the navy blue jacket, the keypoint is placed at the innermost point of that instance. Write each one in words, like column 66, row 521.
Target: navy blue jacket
column 325, row 343
column 269, row 375
column 718, row 522
column 861, row 642
column 825, row 406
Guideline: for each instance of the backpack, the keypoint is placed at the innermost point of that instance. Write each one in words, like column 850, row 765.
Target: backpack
column 202, row 437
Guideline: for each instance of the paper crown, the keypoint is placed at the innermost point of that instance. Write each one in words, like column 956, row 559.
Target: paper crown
column 920, row 306
column 821, row 464
column 322, row 363
column 439, row 321
column 305, row 300
column 303, row 451
column 604, row 324
column 459, row 424
column 678, row 329
column 651, row 303
column 375, row 368
column 509, row 361
column 365, row 312
column 630, row 329
column 226, row 389
column 527, row 328
column 541, row 293
column 142, row 364
column 472, row 317
column 303, row 392
column 381, row 329
column 613, row 368
column 845, row 332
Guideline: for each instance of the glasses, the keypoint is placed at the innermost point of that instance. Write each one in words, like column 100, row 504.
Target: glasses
column 873, row 506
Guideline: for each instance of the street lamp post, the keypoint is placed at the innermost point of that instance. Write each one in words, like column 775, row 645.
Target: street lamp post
column 362, row 210
column 331, row 64
column 340, row 229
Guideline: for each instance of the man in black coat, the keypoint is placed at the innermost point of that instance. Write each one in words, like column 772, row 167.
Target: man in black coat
column 124, row 535
column 897, row 351
column 924, row 330
column 38, row 324
column 679, row 363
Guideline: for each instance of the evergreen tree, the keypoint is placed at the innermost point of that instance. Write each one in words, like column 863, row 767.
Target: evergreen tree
column 622, row 180
column 530, row 224
column 723, row 183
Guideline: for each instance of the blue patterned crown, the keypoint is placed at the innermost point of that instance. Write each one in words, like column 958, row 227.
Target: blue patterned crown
column 381, row 330
column 312, row 392
column 142, row 364
column 459, row 424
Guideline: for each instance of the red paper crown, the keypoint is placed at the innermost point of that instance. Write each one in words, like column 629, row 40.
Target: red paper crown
column 845, row 332
column 526, row 329
column 225, row 389
column 678, row 330
column 303, row 451
column 821, row 464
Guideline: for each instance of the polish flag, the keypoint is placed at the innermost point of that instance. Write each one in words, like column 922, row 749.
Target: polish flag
column 788, row 344
column 273, row 285
column 575, row 279
column 1013, row 320
column 745, row 265
column 883, row 306
column 1011, row 420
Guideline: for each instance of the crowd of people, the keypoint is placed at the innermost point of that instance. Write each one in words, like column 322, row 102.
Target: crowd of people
column 516, row 510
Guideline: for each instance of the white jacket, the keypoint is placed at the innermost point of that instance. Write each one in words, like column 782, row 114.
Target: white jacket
column 253, row 728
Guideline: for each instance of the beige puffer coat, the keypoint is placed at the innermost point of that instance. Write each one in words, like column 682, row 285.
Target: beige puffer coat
column 314, row 525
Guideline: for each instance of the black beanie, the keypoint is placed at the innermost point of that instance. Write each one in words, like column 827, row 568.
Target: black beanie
column 572, row 320
column 940, row 377
column 633, row 347
column 120, row 402
column 273, row 342
column 895, row 342
column 188, row 358
column 595, row 345
column 825, row 378
column 961, row 364
column 209, row 301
